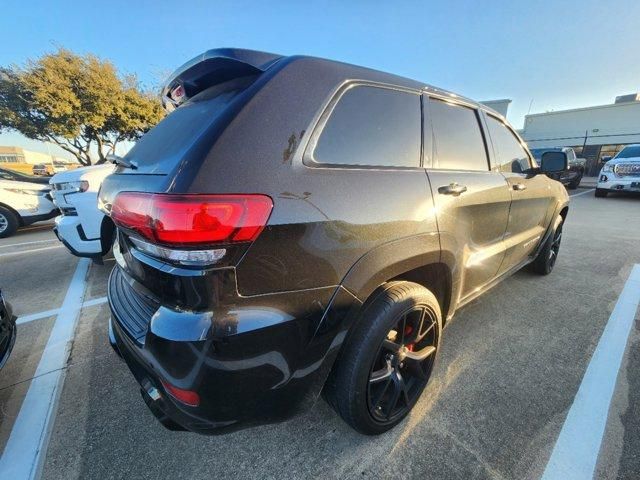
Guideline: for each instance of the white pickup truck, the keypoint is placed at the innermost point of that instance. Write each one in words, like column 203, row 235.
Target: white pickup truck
column 621, row 173
column 81, row 227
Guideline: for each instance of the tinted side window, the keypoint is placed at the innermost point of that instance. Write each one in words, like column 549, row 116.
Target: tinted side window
column 512, row 157
column 372, row 126
column 457, row 142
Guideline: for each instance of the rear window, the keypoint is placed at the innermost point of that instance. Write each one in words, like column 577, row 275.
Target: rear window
column 372, row 126
column 162, row 147
column 629, row 152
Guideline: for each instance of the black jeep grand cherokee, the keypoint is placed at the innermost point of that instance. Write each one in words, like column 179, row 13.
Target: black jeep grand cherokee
column 298, row 225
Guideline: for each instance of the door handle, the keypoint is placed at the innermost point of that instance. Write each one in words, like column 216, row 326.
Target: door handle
column 452, row 189
column 519, row 186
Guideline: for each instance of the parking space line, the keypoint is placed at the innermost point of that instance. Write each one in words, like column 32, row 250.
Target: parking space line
column 50, row 313
column 46, row 226
column 30, row 251
column 582, row 193
column 26, row 448
column 37, row 316
column 28, row 243
column 576, row 451
column 94, row 301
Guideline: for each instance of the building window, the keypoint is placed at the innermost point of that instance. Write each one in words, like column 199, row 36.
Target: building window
column 11, row 158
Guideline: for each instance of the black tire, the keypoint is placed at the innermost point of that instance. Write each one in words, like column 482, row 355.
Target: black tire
column 575, row 183
column 546, row 259
column 395, row 306
column 8, row 222
column 601, row 192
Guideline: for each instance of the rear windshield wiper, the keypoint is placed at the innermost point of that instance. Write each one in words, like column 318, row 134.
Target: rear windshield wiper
column 122, row 162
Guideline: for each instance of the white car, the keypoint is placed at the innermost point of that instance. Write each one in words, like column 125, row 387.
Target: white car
column 621, row 173
column 23, row 203
column 81, row 227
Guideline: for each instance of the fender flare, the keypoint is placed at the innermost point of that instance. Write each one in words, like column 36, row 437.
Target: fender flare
column 374, row 268
column 390, row 260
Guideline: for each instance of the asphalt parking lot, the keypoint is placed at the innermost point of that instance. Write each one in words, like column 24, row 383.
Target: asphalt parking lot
column 507, row 376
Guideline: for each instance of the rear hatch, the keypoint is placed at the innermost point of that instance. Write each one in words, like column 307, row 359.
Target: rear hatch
column 201, row 97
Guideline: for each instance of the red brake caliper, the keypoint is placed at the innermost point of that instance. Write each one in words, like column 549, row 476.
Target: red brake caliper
column 407, row 331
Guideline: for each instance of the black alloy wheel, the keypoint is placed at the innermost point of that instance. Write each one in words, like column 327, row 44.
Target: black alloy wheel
column 555, row 247
column 547, row 257
column 387, row 358
column 403, row 364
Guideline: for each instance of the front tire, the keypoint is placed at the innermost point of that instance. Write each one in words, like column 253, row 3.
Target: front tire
column 8, row 222
column 601, row 192
column 388, row 359
column 574, row 184
column 546, row 259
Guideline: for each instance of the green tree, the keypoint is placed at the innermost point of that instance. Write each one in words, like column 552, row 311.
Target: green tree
column 79, row 103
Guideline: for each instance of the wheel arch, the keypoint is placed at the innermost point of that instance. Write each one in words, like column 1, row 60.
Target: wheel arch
column 391, row 261
column 563, row 212
column 14, row 211
column 107, row 229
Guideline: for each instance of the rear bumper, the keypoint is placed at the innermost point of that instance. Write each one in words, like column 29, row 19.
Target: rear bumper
column 250, row 362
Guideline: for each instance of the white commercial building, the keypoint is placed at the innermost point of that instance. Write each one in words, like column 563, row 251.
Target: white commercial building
column 501, row 106
column 21, row 155
column 594, row 132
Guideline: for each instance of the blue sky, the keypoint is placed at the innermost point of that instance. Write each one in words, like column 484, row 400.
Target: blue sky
column 560, row 54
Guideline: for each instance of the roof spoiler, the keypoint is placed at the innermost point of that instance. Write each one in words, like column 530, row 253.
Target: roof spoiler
column 210, row 68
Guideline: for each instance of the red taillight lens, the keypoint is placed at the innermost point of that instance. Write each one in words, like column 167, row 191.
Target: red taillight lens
column 192, row 220
column 188, row 397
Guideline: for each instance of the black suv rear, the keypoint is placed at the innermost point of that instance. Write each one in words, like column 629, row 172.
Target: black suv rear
column 298, row 225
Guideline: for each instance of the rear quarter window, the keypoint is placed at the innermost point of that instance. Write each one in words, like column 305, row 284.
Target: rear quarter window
column 372, row 126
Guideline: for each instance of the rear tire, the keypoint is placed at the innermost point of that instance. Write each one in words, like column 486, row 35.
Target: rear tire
column 575, row 183
column 601, row 192
column 387, row 359
column 8, row 222
column 546, row 259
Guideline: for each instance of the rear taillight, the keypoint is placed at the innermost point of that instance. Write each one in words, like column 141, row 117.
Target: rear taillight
column 192, row 220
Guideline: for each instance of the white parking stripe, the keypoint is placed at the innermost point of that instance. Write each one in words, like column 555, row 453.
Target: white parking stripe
column 50, row 313
column 26, row 448
column 576, row 451
column 30, row 251
column 28, row 243
column 94, row 301
column 582, row 193
column 37, row 316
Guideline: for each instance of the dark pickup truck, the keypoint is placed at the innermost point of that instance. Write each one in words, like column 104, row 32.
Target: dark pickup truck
column 570, row 177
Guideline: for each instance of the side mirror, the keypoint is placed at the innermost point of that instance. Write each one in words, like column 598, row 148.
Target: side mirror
column 554, row 162
column 606, row 158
